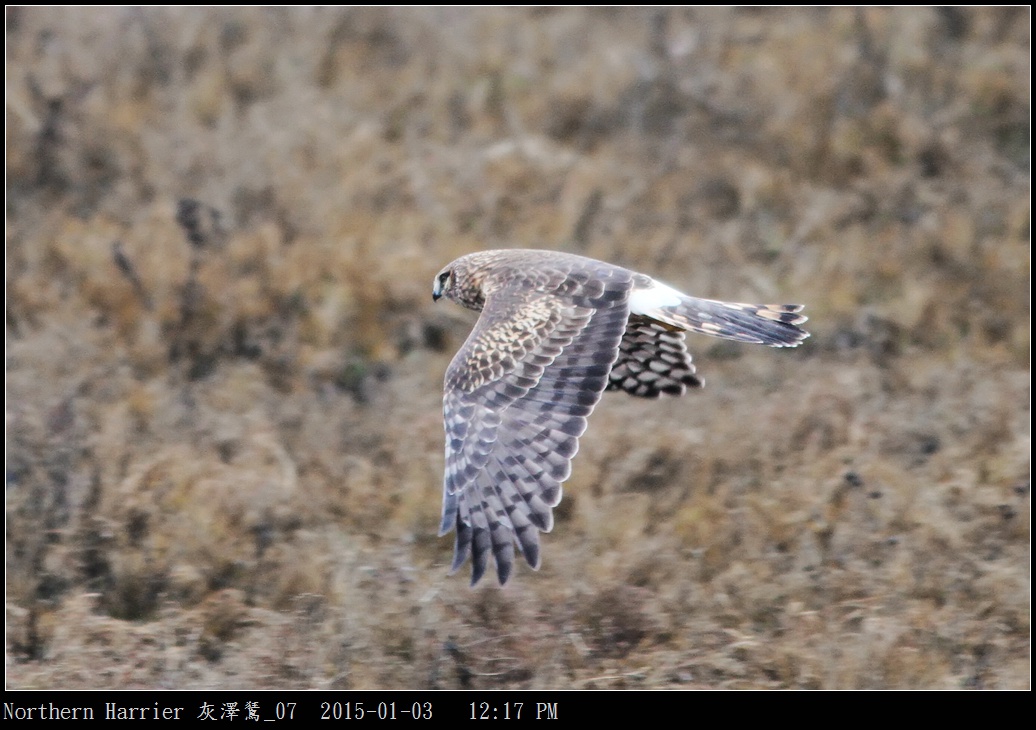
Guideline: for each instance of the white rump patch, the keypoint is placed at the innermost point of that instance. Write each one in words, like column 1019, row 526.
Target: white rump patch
column 657, row 296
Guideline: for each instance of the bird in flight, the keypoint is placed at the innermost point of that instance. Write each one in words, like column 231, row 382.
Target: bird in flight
column 556, row 330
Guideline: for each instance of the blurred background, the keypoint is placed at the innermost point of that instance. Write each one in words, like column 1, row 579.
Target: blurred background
column 224, row 368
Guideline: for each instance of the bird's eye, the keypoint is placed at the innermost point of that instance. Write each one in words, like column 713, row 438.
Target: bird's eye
column 444, row 278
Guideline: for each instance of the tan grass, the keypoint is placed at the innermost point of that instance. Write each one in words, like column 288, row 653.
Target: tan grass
column 224, row 458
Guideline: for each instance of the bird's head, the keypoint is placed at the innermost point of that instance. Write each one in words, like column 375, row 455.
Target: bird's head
column 443, row 284
column 462, row 282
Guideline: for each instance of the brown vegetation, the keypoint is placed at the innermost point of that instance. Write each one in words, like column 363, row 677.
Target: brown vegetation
column 224, row 440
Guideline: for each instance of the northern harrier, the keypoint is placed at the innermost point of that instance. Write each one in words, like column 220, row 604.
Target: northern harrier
column 556, row 331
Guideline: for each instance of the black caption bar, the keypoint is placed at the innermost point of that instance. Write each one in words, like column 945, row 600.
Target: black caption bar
column 243, row 707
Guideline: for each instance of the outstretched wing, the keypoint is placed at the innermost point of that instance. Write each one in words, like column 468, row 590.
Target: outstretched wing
column 517, row 397
column 653, row 360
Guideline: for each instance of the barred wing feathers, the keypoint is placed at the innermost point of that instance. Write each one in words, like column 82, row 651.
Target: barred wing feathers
column 517, row 397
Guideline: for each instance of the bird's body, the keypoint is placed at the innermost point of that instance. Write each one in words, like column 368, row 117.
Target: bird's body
column 556, row 330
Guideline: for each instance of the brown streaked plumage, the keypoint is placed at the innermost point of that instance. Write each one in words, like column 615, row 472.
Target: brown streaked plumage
column 556, row 330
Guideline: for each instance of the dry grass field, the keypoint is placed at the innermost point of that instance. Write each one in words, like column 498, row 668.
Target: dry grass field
column 224, row 367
